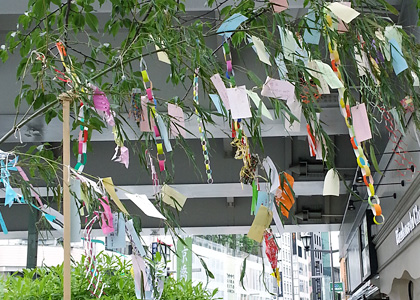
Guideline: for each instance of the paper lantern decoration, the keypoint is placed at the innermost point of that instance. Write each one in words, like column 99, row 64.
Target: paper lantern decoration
column 331, row 184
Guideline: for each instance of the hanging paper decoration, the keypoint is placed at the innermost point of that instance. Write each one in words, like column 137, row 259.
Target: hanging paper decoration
column 227, row 28
column 101, row 104
column 203, row 137
column 271, row 250
column 331, row 184
column 162, row 128
column 83, row 138
column 284, row 194
column 407, row 104
column 345, row 111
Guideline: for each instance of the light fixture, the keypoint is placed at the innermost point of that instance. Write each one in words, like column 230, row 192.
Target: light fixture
column 351, row 205
column 359, row 177
column 306, row 240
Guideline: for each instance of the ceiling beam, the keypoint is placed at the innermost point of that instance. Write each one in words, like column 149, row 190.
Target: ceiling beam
column 216, row 190
column 38, row 131
column 185, row 231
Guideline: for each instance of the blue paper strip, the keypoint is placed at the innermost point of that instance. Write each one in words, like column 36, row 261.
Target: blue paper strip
column 10, row 196
column 230, row 25
column 164, row 133
column 3, row 225
column 398, row 61
column 265, row 199
column 314, row 35
column 217, row 102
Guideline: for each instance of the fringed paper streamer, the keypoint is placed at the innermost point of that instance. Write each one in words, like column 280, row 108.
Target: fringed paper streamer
column 96, row 286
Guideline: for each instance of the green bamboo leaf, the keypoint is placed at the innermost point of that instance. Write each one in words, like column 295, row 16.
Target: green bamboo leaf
column 373, row 158
column 243, row 269
column 389, row 7
column 92, row 21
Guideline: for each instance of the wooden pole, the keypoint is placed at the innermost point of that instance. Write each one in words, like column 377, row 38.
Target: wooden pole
column 66, row 100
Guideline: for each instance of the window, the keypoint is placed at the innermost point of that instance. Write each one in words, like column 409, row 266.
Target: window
column 299, row 251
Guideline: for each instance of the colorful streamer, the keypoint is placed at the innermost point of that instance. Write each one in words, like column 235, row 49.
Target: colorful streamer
column 345, row 111
column 203, row 137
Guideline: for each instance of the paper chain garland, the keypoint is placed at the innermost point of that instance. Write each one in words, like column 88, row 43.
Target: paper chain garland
column 161, row 157
column 362, row 161
column 203, row 137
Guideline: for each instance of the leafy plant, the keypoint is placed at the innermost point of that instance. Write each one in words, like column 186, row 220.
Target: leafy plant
column 185, row 290
column 45, row 283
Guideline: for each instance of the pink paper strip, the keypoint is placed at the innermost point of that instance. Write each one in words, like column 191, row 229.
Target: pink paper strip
column 34, row 194
column 144, row 120
column 280, row 89
column 361, row 123
column 221, row 89
column 177, row 120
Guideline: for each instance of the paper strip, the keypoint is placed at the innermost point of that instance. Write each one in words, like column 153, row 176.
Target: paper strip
column 280, row 89
column 229, row 25
column 329, row 75
column 172, row 197
column 134, row 238
column 140, row 275
column 288, row 43
column 281, row 66
column 164, row 133
column 221, row 89
column 110, row 188
column 3, row 225
column 147, row 122
column 57, row 222
column 116, row 239
column 217, row 102
column 342, row 11
column 142, row 202
column 261, row 222
column 264, row 199
column 398, row 60
column 313, row 35
column 76, row 227
column 296, row 109
column 279, row 5
column 177, row 120
column 314, row 71
column 162, row 55
column 239, row 103
column 361, row 123
column 271, row 171
column 261, row 50
column 257, row 101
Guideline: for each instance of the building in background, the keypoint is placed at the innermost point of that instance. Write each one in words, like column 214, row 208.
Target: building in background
column 222, row 259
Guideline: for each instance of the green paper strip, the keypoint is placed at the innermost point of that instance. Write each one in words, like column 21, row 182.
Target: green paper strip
column 254, row 197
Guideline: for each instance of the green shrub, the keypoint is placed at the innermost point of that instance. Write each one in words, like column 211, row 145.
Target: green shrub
column 45, row 283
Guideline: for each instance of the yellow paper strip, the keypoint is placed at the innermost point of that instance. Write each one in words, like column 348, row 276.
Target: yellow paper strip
column 109, row 186
column 261, row 222
column 169, row 194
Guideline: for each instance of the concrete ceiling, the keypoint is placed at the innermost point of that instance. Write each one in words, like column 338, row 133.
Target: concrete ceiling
column 207, row 208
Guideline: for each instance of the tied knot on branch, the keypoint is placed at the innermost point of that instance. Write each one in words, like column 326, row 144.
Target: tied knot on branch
column 67, row 96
